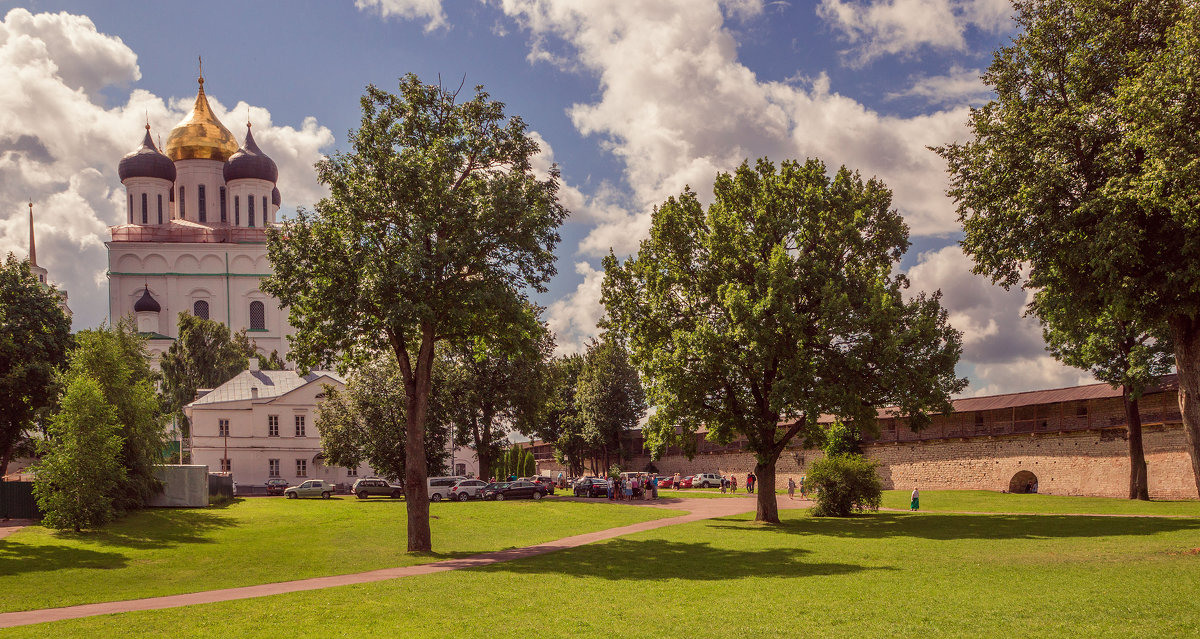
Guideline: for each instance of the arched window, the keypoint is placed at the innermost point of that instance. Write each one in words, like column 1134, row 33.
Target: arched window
column 223, row 220
column 265, row 210
column 131, row 208
column 182, row 208
column 237, row 210
column 160, row 208
column 250, row 209
column 200, row 309
column 203, row 203
column 258, row 316
column 144, row 209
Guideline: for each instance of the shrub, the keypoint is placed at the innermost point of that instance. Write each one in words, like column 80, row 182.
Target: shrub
column 840, row 439
column 845, row 484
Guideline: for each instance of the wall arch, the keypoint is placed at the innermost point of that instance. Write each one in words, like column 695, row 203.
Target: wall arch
column 187, row 264
column 1022, row 482
column 129, row 264
column 155, row 263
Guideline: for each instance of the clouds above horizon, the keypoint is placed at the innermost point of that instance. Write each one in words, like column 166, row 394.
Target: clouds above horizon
column 60, row 145
column 877, row 28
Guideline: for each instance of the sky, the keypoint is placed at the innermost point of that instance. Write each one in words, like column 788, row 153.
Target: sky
column 632, row 99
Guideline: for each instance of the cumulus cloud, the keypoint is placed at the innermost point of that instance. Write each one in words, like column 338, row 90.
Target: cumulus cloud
column 60, row 145
column 430, row 10
column 875, row 28
column 956, row 87
column 573, row 318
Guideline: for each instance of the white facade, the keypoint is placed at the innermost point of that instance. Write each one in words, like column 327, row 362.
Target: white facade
column 264, row 424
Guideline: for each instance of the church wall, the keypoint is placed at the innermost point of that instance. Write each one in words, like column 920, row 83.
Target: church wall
column 189, row 175
column 244, row 190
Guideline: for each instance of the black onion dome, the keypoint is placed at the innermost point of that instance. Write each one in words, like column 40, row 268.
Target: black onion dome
column 147, row 161
column 146, row 303
column 250, row 162
column 276, row 199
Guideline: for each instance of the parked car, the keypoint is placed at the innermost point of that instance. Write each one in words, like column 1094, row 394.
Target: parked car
column 369, row 486
column 514, row 490
column 311, row 488
column 440, row 487
column 666, row 482
column 685, row 482
column 276, row 486
column 707, row 480
column 591, row 487
column 546, row 481
column 468, row 489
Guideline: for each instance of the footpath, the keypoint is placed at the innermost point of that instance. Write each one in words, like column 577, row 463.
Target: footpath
column 696, row 509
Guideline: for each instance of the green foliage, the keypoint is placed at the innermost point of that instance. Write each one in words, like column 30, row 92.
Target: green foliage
column 80, row 469
column 115, row 358
column 528, row 464
column 34, row 338
column 205, row 355
column 845, row 484
column 609, row 397
column 434, row 227
column 366, row 422
column 562, row 425
column 841, row 439
column 778, row 304
column 614, row 471
column 272, row 362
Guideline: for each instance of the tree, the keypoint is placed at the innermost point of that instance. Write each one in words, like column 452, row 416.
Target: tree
column 365, row 422
column 610, row 397
column 115, row 358
column 80, row 468
column 205, row 355
column 561, row 425
column 778, row 305
column 434, row 226
column 34, row 338
column 1079, row 179
column 845, row 483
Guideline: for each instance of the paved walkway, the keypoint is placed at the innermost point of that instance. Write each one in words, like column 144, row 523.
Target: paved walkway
column 697, row 509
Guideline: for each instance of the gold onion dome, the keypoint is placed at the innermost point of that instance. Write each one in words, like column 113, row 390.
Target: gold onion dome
column 201, row 136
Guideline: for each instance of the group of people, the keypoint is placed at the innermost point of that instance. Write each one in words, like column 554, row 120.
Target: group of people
column 791, row 485
column 632, row 487
column 730, row 483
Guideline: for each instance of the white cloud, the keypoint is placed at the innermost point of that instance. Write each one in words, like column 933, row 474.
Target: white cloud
column 956, row 87
column 573, row 318
column 430, row 10
column 875, row 28
column 60, row 145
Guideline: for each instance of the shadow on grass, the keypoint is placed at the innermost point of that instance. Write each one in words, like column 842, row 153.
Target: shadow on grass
column 20, row 558
column 156, row 528
column 949, row 527
column 623, row 559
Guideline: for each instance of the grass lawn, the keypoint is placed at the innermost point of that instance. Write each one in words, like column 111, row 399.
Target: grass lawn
column 993, row 502
column 882, row 575
column 262, row 540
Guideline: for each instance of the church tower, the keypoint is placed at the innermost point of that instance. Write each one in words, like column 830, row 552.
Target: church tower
column 194, row 237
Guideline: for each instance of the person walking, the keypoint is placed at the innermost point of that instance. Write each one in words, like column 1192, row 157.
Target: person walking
column 654, row 486
column 791, row 488
column 750, row 482
column 803, row 490
column 915, row 504
column 733, row 483
column 724, row 484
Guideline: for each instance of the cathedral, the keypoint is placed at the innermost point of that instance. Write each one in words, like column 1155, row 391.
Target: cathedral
column 194, row 237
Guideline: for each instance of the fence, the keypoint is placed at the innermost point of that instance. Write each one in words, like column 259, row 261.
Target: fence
column 17, row 502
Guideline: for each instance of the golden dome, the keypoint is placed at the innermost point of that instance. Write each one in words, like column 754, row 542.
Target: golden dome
column 200, row 136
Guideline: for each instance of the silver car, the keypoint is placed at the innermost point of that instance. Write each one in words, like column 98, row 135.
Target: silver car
column 468, row 489
column 311, row 488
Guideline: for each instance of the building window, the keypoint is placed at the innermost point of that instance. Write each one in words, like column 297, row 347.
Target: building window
column 237, row 210
column 203, row 204
column 272, row 425
column 145, row 210
column 160, row 208
column 249, row 210
column 265, row 209
column 302, row 468
column 222, row 428
column 222, row 205
column 131, row 208
column 300, row 426
column 200, row 309
column 258, row 316
column 352, row 472
column 226, row 466
column 272, row 467
column 182, row 208
column 1081, row 409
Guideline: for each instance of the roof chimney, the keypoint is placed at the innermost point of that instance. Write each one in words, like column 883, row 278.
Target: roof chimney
column 254, row 392
column 253, row 363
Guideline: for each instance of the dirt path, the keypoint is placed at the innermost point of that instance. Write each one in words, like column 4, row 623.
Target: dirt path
column 697, row 509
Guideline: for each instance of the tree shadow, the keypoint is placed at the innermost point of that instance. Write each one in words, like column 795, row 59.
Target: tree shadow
column 944, row 527
column 654, row 560
column 155, row 528
column 19, row 558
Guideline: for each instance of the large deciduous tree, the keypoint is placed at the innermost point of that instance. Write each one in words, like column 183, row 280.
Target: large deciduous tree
column 434, row 226
column 1080, row 177
column 561, row 425
column 34, row 338
column 779, row 304
column 610, row 398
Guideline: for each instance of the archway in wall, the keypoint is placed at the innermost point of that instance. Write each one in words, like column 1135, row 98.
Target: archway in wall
column 1022, row 482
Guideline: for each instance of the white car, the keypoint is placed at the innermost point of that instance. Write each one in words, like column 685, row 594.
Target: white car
column 706, row 480
column 442, row 487
column 468, row 489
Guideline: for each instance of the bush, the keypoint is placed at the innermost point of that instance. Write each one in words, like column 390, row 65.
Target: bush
column 845, row 484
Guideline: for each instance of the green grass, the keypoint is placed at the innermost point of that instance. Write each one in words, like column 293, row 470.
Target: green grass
column 993, row 502
column 883, row 575
column 254, row 541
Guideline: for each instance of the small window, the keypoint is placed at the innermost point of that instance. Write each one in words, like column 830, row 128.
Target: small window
column 226, row 466
column 160, row 220
column 265, row 209
column 222, row 194
column 182, row 208
column 222, row 428
column 273, row 467
column 131, row 208
column 979, row 418
column 258, row 316
column 145, row 209
column 300, row 426
column 1081, row 409
column 250, row 210
column 200, row 309
column 302, row 468
column 237, row 210
column 272, row 425
column 352, row 472
column 203, row 204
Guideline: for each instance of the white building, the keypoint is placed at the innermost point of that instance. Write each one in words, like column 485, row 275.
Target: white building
column 194, row 239
column 261, row 425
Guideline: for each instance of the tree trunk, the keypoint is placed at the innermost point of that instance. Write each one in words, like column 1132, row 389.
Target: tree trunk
column 5, row 457
column 416, row 476
column 768, row 507
column 1138, row 486
column 1185, row 331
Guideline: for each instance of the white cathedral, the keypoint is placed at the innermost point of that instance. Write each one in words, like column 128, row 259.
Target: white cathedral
column 194, row 238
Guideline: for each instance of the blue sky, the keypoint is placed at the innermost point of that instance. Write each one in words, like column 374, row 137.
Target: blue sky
column 632, row 99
